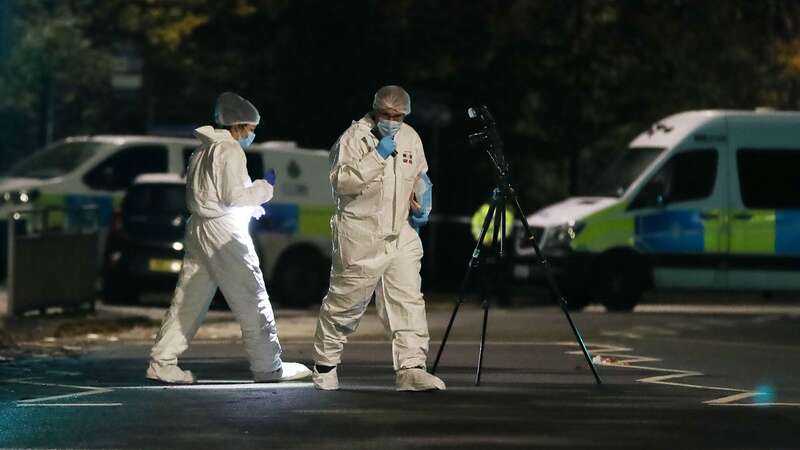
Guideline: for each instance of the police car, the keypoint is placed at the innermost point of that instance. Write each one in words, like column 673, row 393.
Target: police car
column 700, row 200
column 95, row 171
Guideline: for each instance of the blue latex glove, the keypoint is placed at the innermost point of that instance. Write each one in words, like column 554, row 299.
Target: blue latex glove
column 270, row 176
column 386, row 146
column 419, row 217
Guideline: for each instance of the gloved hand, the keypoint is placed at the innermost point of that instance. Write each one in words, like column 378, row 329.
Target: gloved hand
column 421, row 201
column 258, row 212
column 270, row 176
column 418, row 219
column 386, row 146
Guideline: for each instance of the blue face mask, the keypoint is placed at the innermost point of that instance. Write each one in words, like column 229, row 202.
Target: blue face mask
column 389, row 127
column 247, row 140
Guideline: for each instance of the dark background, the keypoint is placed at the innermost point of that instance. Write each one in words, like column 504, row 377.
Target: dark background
column 569, row 82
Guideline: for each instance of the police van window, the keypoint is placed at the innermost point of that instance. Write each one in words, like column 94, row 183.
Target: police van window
column 686, row 176
column 768, row 178
column 616, row 178
column 56, row 160
column 120, row 169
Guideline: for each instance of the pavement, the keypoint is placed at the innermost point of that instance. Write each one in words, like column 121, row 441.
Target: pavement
column 674, row 376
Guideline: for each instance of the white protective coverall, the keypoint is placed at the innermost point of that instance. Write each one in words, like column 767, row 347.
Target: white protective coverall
column 220, row 253
column 374, row 246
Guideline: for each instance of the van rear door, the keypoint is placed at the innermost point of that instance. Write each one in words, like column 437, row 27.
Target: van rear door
column 764, row 208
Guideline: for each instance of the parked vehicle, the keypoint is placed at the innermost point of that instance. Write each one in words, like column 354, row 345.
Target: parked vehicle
column 701, row 200
column 95, row 171
column 145, row 243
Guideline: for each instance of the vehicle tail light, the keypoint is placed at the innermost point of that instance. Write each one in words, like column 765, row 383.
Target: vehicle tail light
column 116, row 222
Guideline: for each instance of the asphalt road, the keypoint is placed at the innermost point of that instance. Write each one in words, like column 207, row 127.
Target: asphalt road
column 673, row 377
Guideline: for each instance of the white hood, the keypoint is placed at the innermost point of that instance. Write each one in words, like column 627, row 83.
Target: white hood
column 208, row 135
column 572, row 209
column 23, row 184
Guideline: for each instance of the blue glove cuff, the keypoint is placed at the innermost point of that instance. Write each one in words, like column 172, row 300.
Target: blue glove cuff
column 419, row 220
column 270, row 176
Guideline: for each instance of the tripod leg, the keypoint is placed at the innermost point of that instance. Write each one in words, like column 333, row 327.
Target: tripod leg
column 483, row 342
column 473, row 264
column 554, row 286
column 446, row 335
column 497, row 247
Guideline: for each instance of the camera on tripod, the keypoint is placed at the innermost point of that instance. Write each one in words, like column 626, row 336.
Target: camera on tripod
column 503, row 196
column 488, row 136
column 488, row 132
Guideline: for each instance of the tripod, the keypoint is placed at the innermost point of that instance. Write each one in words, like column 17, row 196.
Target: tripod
column 502, row 195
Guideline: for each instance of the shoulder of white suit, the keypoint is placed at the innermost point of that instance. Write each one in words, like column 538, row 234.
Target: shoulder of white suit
column 408, row 129
column 357, row 130
column 228, row 148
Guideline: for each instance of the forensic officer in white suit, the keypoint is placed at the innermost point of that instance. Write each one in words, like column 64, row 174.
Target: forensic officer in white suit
column 220, row 252
column 375, row 166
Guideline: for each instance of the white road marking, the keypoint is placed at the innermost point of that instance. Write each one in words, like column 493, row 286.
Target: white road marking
column 730, row 398
column 86, row 391
column 661, row 331
column 687, row 326
column 719, row 309
column 765, row 319
column 63, row 405
column 761, row 404
column 63, row 372
column 622, row 334
column 225, row 385
column 600, row 351
column 628, row 361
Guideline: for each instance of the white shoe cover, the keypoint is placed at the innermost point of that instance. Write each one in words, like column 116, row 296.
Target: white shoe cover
column 327, row 381
column 288, row 372
column 418, row 380
column 169, row 374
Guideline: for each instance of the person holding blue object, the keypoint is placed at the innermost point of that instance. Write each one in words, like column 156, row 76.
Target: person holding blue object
column 376, row 165
column 421, row 201
column 220, row 253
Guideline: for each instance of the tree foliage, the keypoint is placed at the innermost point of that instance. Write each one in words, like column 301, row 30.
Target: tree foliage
column 570, row 82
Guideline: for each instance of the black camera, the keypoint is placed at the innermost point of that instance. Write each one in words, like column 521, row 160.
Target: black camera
column 488, row 137
column 483, row 115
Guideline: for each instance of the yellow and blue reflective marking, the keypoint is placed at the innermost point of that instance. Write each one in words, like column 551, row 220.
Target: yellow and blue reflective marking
column 787, row 232
column 671, row 231
column 763, row 232
column 105, row 204
column 605, row 229
column 291, row 218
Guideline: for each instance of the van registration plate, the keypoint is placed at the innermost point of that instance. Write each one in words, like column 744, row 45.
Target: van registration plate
column 165, row 265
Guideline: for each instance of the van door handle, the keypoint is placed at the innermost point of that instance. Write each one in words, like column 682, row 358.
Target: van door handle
column 743, row 216
column 709, row 215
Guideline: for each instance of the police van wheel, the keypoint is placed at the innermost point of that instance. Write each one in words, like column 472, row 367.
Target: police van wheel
column 300, row 277
column 624, row 285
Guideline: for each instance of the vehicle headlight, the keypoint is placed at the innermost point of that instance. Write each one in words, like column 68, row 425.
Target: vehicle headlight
column 19, row 197
column 561, row 236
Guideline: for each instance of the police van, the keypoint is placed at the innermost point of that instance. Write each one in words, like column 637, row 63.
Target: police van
column 700, row 200
column 94, row 172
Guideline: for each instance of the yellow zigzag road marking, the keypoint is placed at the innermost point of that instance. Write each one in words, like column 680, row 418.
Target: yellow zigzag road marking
column 629, row 361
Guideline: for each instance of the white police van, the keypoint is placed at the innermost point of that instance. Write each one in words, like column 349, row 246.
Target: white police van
column 701, row 200
column 95, row 171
